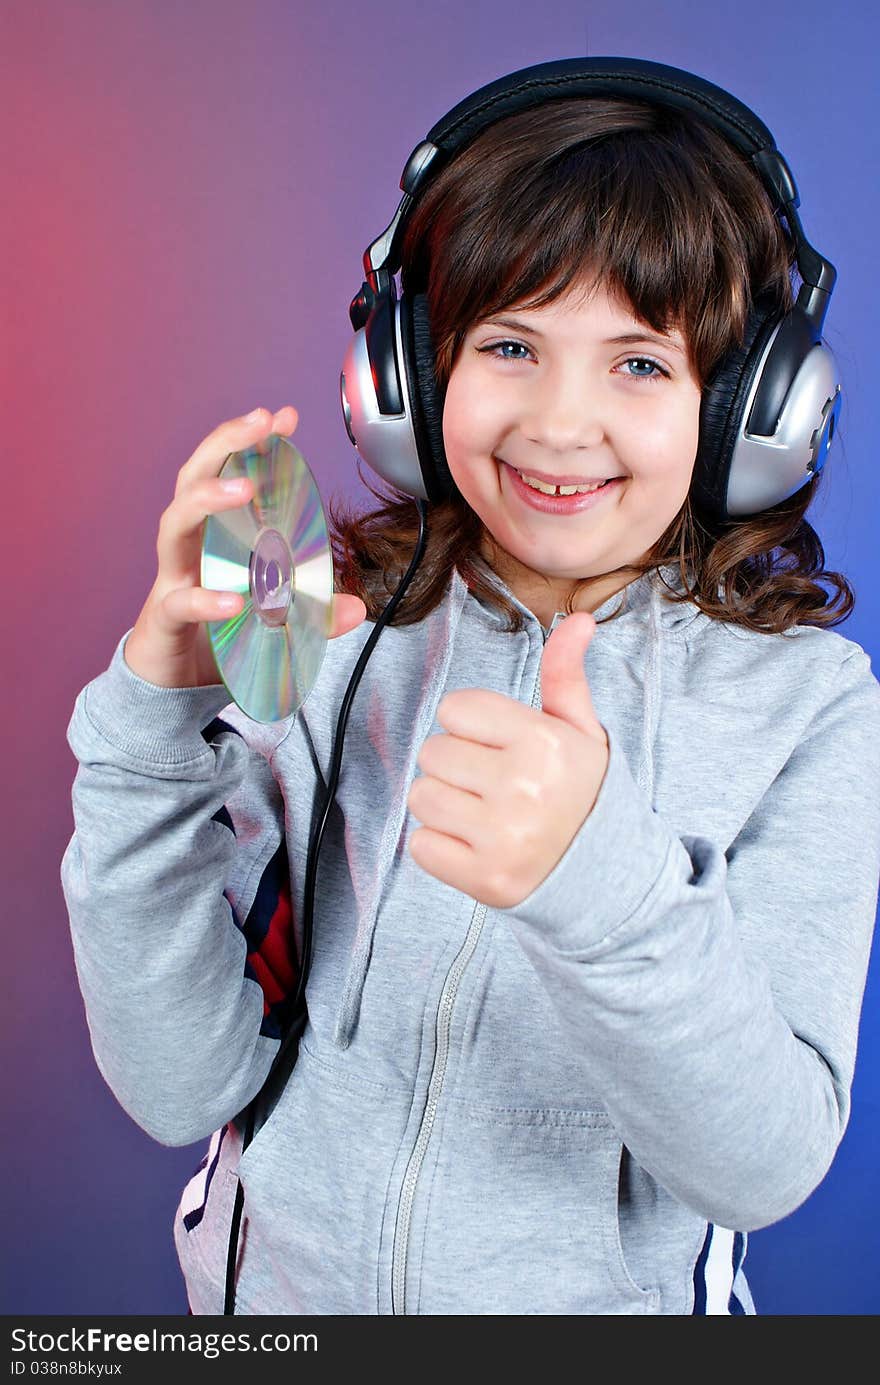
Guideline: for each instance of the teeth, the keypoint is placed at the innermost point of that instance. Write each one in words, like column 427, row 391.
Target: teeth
column 549, row 489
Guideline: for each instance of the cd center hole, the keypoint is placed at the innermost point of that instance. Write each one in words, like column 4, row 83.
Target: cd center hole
column 273, row 576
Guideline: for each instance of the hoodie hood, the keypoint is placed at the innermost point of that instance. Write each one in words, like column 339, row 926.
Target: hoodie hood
column 646, row 620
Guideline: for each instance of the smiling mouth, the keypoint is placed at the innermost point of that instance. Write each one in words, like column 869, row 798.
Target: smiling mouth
column 558, row 488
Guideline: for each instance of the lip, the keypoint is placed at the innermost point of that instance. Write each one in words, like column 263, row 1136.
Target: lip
column 558, row 480
column 560, row 504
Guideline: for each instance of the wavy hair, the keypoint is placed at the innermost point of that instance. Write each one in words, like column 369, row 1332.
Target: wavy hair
column 673, row 220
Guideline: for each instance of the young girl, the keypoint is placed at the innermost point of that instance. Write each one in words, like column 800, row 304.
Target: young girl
column 596, row 893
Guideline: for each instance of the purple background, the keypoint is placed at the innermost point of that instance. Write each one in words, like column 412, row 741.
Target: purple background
column 189, row 190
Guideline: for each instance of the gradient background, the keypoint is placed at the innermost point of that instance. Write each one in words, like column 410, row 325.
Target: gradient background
column 189, row 190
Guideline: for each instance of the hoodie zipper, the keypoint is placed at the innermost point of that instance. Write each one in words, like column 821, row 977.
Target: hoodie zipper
column 438, row 1071
column 435, row 1086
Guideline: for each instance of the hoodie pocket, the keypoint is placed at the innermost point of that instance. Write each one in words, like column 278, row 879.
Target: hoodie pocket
column 314, row 1179
column 522, row 1218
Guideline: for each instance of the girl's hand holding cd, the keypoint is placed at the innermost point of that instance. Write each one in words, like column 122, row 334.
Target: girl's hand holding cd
column 169, row 645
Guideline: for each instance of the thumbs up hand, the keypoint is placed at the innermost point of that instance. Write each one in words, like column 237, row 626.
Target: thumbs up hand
column 504, row 792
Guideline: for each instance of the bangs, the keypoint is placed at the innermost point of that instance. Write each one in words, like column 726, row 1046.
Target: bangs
column 645, row 205
column 610, row 214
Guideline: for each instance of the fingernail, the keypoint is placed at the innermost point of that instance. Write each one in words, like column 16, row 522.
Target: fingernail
column 252, row 417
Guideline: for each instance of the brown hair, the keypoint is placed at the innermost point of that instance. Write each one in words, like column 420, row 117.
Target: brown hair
column 674, row 221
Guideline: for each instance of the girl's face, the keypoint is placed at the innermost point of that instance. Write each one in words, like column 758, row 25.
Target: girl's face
column 549, row 392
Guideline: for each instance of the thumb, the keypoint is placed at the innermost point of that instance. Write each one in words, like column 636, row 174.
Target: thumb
column 565, row 691
column 348, row 612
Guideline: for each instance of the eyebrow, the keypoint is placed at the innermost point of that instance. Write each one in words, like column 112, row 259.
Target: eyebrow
column 629, row 337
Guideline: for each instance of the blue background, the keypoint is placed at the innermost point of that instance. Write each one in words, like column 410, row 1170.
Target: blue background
column 189, row 190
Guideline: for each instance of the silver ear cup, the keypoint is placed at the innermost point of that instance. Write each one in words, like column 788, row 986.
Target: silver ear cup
column 766, row 470
column 386, row 442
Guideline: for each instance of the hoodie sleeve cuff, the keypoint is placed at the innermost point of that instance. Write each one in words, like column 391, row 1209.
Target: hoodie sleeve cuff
column 607, row 870
column 161, row 726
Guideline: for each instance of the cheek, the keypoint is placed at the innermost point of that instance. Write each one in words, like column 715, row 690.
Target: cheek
column 469, row 430
column 459, row 408
column 686, row 446
column 453, row 414
column 688, row 431
column 667, row 461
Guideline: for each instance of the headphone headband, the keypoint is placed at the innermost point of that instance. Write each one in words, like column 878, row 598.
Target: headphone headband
column 629, row 78
column 626, row 77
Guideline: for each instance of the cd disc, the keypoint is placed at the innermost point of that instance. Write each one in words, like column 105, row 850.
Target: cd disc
column 275, row 551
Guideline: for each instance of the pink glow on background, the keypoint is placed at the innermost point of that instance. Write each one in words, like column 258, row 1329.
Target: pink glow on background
column 189, row 190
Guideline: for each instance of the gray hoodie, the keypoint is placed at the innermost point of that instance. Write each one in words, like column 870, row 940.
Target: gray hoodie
column 579, row 1104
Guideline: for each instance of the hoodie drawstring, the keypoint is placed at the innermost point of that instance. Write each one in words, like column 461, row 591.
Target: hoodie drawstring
column 425, row 717
column 651, row 695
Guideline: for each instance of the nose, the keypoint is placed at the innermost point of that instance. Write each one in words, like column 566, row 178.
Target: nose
column 564, row 412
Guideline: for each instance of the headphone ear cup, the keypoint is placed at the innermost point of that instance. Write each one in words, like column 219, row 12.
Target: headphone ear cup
column 722, row 407
column 425, row 397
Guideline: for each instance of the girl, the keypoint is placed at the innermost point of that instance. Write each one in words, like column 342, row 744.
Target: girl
column 591, row 927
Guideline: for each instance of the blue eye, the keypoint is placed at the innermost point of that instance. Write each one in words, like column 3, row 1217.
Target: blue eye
column 498, row 346
column 646, row 360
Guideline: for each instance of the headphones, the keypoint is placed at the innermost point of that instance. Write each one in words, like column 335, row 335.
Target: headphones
column 768, row 414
